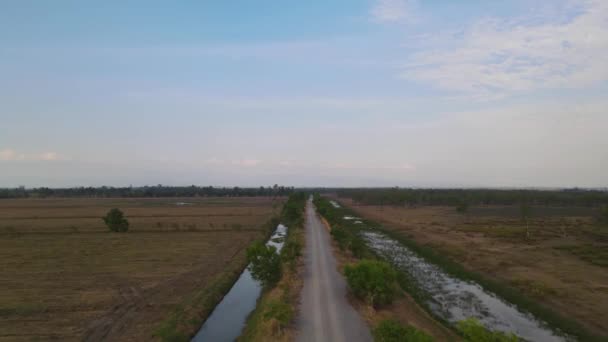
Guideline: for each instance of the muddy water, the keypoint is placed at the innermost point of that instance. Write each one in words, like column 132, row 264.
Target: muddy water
column 227, row 320
column 453, row 299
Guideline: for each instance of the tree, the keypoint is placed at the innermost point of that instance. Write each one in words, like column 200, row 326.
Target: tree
column 116, row 221
column 265, row 263
column 373, row 281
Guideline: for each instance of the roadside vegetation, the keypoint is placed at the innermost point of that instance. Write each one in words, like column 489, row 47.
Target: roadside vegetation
column 373, row 281
column 469, row 330
column 377, row 285
column 272, row 320
column 472, row 330
column 390, row 330
column 523, row 292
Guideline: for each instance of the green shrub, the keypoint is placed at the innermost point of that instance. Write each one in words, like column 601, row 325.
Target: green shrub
column 373, row 281
column 279, row 311
column 290, row 253
column 357, row 246
column 473, row 331
column 392, row 331
column 116, row 221
column 341, row 236
column 265, row 263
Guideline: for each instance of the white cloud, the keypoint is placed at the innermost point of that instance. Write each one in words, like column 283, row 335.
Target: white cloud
column 6, row 154
column 392, row 10
column 49, row 156
column 9, row 154
column 247, row 162
column 501, row 57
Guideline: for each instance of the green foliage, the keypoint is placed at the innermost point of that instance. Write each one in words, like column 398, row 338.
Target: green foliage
column 473, row 331
column 392, row 331
column 290, row 253
column 373, row 281
column 116, row 221
column 280, row 311
column 265, row 263
column 293, row 210
column 341, row 236
column 357, row 246
column 146, row 191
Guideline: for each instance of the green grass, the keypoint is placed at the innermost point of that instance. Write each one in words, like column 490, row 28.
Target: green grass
column 393, row 331
column 473, row 331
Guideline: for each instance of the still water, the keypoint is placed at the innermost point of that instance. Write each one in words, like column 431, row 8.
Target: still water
column 453, row 299
column 228, row 319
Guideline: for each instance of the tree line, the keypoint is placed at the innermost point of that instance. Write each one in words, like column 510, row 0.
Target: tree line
column 464, row 197
column 146, row 191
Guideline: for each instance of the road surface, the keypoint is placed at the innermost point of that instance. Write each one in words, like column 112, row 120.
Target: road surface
column 325, row 314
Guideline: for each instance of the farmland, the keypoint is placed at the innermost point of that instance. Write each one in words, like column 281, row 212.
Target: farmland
column 65, row 276
column 559, row 261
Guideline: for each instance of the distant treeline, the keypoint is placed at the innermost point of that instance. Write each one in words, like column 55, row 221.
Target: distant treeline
column 146, row 191
column 454, row 197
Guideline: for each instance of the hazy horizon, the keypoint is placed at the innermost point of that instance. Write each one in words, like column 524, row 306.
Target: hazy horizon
column 342, row 94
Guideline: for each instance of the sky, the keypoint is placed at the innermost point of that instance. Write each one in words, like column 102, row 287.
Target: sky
column 434, row 93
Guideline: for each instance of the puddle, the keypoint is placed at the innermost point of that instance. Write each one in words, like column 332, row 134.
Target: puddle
column 228, row 319
column 453, row 299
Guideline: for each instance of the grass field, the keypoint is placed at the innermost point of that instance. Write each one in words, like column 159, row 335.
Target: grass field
column 562, row 264
column 65, row 277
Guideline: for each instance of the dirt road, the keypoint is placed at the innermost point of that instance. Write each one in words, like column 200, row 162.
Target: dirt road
column 325, row 314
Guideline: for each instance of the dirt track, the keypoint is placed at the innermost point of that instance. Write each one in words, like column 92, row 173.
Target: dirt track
column 325, row 314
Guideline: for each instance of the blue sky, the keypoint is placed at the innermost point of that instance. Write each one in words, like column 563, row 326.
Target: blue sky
column 344, row 93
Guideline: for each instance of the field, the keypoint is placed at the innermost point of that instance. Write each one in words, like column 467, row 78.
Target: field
column 561, row 264
column 65, row 277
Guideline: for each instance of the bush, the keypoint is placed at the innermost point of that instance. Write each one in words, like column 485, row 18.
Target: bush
column 116, row 221
column 265, row 263
column 473, row 331
column 391, row 331
column 357, row 246
column 279, row 311
column 341, row 236
column 372, row 281
column 290, row 252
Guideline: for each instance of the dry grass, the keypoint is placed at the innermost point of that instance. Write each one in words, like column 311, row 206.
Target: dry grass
column 65, row 277
column 492, row 241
